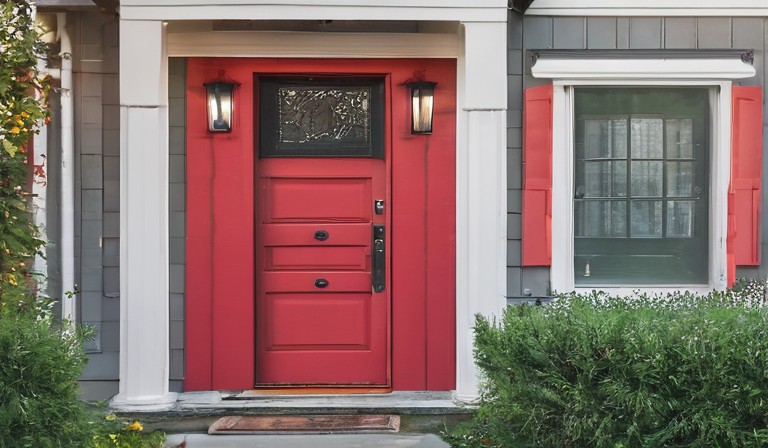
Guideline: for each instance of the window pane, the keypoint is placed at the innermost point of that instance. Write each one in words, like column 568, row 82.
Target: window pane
column 601, row 219
column 680, row 138
column 679, row 179
column 605, row 138
column 637, row 216
column 647, row 179
column 680, row 219
column 645, row 218
column 647, row 138
column 605, row 179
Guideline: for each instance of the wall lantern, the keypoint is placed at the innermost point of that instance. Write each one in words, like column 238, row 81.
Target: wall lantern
column 220, row 100
column 422, row 106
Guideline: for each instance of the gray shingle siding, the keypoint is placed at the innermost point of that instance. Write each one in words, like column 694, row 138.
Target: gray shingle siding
column 177, row 75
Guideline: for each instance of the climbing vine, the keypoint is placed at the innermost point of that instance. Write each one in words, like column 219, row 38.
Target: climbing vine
column 23, row 108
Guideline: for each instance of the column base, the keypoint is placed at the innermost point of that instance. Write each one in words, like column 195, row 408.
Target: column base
column 466, row 399
column 144, row 404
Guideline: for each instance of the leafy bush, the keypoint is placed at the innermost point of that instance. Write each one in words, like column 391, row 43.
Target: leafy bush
column 589, row 371
column 39, row 368
column 23, row 107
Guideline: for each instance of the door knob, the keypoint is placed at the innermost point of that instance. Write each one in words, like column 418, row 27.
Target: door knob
column 321, row 235
column 321, row 283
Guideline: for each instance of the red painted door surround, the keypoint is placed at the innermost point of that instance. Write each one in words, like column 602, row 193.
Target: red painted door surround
column 229, row 229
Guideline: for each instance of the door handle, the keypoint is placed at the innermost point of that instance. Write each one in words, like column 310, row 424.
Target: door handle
column 378, row 260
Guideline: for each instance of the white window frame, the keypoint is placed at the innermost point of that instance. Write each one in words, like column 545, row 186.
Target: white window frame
column 562, row 273
column 715, row 73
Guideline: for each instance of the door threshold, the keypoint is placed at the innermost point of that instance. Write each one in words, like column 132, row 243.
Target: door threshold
column 309, row 390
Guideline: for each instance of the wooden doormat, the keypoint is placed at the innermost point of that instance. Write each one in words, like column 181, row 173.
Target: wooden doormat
column 291, row 424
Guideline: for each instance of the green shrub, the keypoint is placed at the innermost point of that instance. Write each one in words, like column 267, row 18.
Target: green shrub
column 113, row 432
column 589, row 371
column 39, row 367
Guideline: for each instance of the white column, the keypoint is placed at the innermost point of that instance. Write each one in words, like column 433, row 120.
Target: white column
column 144, row 277
column 481, row 188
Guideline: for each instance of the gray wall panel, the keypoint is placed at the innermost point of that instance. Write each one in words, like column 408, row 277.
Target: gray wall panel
column 515, row 137
column 515, row 92
column 514, row 168
column 601, row 33
column 111, row 227
column 515, row 31
column 537, row 32
column 645, row 32
column 111, row 252
column 514, row 281
column 680, row 32
column 514, row 232
column 514, row 201
column 513, row 253
column 714, row 32
column 515, row 62
column 622, row 33
column 536, row 280
column 569, row 33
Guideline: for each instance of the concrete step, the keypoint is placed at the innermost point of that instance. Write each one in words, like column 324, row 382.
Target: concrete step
column 419, row 412
column 306, row 440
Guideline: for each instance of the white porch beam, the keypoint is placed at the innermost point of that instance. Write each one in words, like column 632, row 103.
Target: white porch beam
column 144, row 352
column 481, row 186
column 423, row 10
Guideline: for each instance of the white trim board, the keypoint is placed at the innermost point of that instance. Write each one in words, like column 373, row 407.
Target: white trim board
column 306, row 44
column 624, row 8
column 681, row 68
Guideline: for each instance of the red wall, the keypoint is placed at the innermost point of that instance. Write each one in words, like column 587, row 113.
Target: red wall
column 220, row 225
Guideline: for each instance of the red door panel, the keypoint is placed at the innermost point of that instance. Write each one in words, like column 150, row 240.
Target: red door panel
column 317, row 319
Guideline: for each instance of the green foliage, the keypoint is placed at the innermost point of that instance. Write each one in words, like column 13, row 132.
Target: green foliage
column 113, row 432
column 23, row 96
column 39, row 367
column 589, row 371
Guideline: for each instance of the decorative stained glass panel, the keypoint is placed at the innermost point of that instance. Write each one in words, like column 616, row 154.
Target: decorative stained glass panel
column 321, row 117
column 309, row 114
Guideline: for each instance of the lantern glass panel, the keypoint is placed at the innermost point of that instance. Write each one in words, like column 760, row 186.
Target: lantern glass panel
column 220, row 106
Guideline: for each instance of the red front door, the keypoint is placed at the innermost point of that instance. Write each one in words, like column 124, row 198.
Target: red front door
column 322, row 305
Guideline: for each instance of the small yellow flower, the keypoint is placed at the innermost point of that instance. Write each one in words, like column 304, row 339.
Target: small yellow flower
column 25, row 115
column 11, row 279
column 15, row 130
column 113, row 436
column 110, row 417
column 135, row 426
column 20, row 122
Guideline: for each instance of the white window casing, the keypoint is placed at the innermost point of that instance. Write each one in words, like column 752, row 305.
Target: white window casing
column 568, row 73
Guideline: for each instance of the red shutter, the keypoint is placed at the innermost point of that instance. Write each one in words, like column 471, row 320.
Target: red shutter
column 743, row 240
column 537, row 177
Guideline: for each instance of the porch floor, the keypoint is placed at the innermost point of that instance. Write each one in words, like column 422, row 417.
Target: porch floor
column 419, row 411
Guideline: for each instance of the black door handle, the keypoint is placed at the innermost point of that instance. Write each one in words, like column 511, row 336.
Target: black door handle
column 321, row 283
column 378, row 260
column 321, row 235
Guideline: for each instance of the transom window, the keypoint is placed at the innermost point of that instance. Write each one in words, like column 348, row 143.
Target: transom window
column 641, row 158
